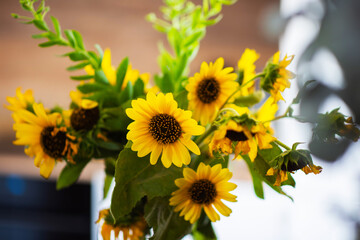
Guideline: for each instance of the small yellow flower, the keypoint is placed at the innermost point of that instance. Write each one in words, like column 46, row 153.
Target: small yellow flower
column 209, row 89
column 203, row 189
column 160, row 127
column 276, row 77
column 132, row 75
column 43, row 138
column 131, row 231
column 22, row 101
column 246, row 68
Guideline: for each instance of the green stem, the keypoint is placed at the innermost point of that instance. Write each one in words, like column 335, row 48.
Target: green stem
column 239, row 88
column 282, row 144
column 199, row 140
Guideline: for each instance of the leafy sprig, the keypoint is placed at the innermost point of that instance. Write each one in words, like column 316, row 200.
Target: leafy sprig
column 185, row 24
column 55, row 37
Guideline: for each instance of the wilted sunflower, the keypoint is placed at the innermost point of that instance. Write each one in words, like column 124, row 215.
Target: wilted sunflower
column 131, row 231
column 291, row 161
column 246, row 68
column 276, row 77
column 203, row 189
column 160, row 127
column 230, row 133
column 43, row 138
column 209, row 89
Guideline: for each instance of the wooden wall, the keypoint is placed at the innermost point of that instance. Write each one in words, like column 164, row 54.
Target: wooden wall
column 119, row 25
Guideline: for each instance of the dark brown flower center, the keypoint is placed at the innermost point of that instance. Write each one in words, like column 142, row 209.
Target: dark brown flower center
column 164, row 128
column 208, row 90
column 236, row 136
column 203, row 192
column 53, row 144
column 84, row 119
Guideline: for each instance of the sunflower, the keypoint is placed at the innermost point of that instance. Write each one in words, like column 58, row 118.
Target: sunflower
column 161, row 127
column 230, row 133
column 209, row 89
column 246, row 68
column 276, row 76
column 20, row 102
column 203, row 189
column 131, row 231
column 43, row 138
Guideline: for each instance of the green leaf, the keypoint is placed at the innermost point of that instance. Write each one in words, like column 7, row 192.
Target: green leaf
column 78, row 39
column 139, row 88
column 41, row 35
column 194, row 38
column 100, row 77
column 40, row 24
column 107, row 183
column 56, row 25
column 203, row 229
column 78, row 66
column 71, row 172
column 249, row 100
column 181, row 99
column 92, row 87
column 121, row 73
column 71, row 38
column 135, row 178
column 126, row 94
column 256, row 178
column 82, row 77
column 47, row 44
column 166, row 223
column 76, row 56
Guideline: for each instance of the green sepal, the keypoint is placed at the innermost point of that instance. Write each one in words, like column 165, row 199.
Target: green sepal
column 135, row 178
column 166, row 223
column 101, row 77
column 71, row 172
column 121, row 73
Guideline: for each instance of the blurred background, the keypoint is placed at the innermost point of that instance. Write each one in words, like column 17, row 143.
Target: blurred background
column 326, row 206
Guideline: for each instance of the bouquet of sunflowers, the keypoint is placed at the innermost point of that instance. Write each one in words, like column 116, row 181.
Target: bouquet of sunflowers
column 167, row 141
